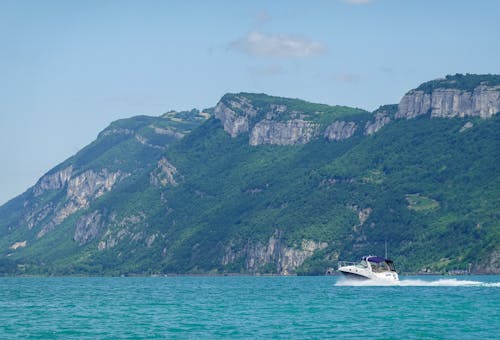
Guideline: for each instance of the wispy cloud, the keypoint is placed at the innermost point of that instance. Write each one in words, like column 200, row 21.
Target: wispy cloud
column 260, row 44
column 357, row 2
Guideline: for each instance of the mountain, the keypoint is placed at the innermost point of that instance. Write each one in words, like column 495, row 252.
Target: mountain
column 263, row 184
column 55, row 211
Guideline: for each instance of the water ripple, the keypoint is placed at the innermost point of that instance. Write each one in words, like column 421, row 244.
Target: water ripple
column 247, row 307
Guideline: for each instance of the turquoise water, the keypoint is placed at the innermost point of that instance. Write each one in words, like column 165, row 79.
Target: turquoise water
column 249, row 307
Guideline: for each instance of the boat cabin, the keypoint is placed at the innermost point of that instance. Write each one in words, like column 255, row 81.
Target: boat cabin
column 378, row 264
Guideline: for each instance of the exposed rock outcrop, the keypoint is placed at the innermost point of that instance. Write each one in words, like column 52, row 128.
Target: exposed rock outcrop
column 16, row 245
column 91, row 185
column 276, row 110
column 164, row 173
column 340, row 130
column 116, row 131
column 81, row 190
column 150, row 240
column 144, row 141
column 363, row 215
column 290, row 132
column 168, row 131
column 336, row 180
column 413, row 104
column 483, row 101
column 234, row 115
column 381, row 118
column 53, row 181
column 141, row 137
column 36, row 215
column 124, row 229
column 491, row 265
column 238, row 115
column 466, row 126
column 275, row 252
column 88, row 227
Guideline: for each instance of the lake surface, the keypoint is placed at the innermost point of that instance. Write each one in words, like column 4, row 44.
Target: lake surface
column 249, row 307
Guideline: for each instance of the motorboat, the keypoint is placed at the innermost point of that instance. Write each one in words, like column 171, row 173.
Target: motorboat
column 370, row 268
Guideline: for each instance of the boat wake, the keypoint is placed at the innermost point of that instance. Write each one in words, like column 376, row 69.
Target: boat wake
column 417, row 283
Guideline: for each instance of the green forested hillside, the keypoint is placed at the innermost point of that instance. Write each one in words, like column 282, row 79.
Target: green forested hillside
column 467, row 82
column 236, row 192
column 129, row 146
column 430, row 188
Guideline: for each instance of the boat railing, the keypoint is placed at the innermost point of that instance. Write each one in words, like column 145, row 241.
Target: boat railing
column 346, row 263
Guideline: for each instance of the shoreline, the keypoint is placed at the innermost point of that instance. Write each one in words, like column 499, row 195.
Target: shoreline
column 221, row 275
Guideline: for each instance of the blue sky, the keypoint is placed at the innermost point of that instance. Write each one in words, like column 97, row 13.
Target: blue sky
column 69, row 68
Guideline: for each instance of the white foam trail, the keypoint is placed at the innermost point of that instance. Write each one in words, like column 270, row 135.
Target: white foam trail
column 418, row 283
column 441, row 283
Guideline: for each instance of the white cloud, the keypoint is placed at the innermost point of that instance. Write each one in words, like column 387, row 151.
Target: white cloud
column 260, row 44
column 357, row 2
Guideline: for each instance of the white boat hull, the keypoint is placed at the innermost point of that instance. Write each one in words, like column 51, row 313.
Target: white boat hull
column 355, row 272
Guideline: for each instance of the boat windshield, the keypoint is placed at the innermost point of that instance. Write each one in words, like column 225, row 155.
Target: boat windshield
column 390, row 264
column 363, row 264
column 380, row 266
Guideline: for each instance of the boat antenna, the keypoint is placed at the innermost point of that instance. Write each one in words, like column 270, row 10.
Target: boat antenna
column 386, row 249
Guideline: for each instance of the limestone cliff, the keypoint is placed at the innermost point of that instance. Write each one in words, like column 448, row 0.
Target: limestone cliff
column 295, row 131
column 167, row 131
column 274, row 253
column 131, row 228
column 340, row 130
column 381, row 117
column 282, row 121
column 483, row 102
column 78, row 190
column 52, row 181
column 88, row 227
column 279, row 121
column 234, row 114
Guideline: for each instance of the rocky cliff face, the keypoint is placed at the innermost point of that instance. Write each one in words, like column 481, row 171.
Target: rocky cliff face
column 380, row 119
column 78, row 190
column 291, row 132
column 280, row 124
column 237, row 113
column 483, row 101
column 88, row 227
column 275, row 253
column 53, row 181
column 164, row 174
column 277, row 123
column 168, row 131
column 340, row 130
column 234, row 115
column 131, row 229
column 491, row 265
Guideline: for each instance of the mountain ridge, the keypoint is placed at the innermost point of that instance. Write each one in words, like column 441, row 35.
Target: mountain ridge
column 264, row 184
